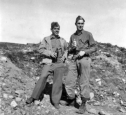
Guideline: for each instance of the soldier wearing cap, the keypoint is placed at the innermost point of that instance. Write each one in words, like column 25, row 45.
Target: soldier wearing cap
column 81, row 45
column 54, row 50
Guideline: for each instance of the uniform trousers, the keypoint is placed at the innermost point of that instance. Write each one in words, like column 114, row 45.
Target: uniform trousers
column 58, row 72
column 80, row 69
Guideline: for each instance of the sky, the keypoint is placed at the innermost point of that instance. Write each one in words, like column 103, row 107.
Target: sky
column 28, row 21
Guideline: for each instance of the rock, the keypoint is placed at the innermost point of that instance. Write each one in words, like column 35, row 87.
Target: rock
column 23, row 112
column 47, row 111
column 116, row 94
column 99, row 81
column 2, row 114
column 18, row 99
column 5, row 95
column 103, row 113
column 43, row 106
column 120, row 109
column 32, row 58
column 97, row 103
column 3, row 59
column 37, row 78
column 91, row 95
column 92, row 111
column 13, row 104
column 124, row 81
column 37, row 102
column 11, row 96
column 123, row 103
column 39, row 107
column 19, row 92
column 3, row 84
column 0, row 103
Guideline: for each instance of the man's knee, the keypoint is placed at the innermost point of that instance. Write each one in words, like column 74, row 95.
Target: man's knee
column 44, row 75
column 45, row 71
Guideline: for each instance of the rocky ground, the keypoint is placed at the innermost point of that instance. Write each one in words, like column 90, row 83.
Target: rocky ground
column 20, row 68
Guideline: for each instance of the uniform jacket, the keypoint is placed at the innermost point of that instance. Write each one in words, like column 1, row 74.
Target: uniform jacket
column 85, row 42
column 46, row 47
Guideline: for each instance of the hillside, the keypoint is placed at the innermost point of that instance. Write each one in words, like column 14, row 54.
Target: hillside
column 20, row 68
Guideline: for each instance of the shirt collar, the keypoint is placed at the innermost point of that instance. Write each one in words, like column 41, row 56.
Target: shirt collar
column 79, row 33
column 54, row 37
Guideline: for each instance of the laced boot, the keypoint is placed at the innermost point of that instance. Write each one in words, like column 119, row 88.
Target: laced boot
column 30, row 100
column 82, row 108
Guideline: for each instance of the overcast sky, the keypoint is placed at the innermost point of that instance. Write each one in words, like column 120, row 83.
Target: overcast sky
column 28, row 21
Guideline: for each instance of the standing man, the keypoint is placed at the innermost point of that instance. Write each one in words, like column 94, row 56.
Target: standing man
column 81, row 45
column 53, row 48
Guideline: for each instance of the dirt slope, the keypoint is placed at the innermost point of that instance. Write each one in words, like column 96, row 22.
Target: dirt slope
column 20, row 69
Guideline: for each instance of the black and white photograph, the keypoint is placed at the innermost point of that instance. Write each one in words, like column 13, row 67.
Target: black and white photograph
column 62, row 57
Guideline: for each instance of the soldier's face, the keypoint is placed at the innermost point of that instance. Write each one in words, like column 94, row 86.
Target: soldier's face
column 55, row 30
column 80, row 25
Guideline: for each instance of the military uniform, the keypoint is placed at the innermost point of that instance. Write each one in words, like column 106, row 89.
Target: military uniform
column 55, row 66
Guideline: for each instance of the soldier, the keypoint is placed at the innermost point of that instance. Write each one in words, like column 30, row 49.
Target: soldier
column 81, row 45
column 54, row 49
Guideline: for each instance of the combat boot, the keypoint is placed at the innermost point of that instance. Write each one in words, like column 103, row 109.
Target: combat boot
column 82, row 108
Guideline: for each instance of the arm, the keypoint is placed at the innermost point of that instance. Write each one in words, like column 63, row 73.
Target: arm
column 43, row 48
column 88, row 47
column 92, row 45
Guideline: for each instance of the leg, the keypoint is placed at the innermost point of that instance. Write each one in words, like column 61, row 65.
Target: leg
column 85, row 76
column 39, row 87
column 84, row 70
column 57, row 84
column 71, row 78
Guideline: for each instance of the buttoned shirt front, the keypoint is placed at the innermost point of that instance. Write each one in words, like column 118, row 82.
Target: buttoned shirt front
column 56, row 46
column 84, row 40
